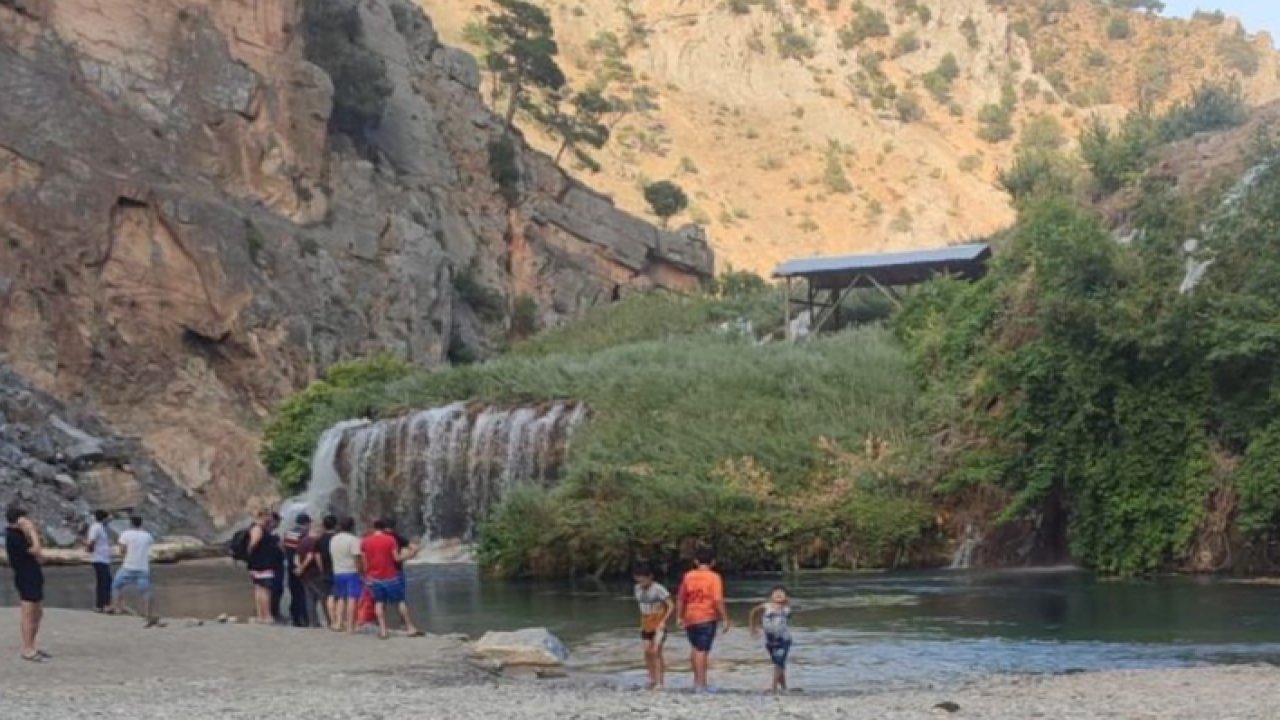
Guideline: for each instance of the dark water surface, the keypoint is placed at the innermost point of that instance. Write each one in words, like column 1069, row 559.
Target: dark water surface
column 852, row 631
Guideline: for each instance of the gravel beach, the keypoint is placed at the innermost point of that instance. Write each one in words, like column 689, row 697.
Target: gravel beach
column 113, row 668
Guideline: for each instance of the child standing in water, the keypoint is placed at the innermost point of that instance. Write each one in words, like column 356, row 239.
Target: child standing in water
column 700, row 607
column 655, row 610
column 775, row 617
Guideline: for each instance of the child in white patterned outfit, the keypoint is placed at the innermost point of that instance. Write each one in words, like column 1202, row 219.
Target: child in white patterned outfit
column 775, row 618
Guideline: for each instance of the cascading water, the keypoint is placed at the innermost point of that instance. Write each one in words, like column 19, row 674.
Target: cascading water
column 439, row 471
column 963, row 557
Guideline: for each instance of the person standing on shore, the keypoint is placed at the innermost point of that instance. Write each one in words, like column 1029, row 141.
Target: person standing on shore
column 655, row 611
column 25, row 551
column 311, row 571
column 381, row 562
column 262, row 552
column 98, row 542
column 700, row 607
column 301, row 529
column 406, row 550
column 278, row 576
column 325, row 547
column 135, row 571
column 347, row 587
column 775, row 619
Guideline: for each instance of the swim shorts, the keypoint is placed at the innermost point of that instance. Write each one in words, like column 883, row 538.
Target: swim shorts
column 778, row 649
column 387, row 592
column 701, row 636
column 140, row 579
column 263, row 578
column 30, row 586
column 347, row 586
column 658, row 636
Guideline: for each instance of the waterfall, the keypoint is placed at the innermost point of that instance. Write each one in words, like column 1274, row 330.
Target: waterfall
column 440, row 471
column 963, row 557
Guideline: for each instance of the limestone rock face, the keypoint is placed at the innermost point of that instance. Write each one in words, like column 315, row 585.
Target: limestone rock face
column 183, row 240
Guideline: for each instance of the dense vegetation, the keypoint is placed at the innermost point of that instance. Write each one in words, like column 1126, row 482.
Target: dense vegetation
column 1097, row 378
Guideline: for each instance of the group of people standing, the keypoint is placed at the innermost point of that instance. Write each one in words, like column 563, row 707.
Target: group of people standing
column 341, row 581
column 25, row 551
column 330, row 571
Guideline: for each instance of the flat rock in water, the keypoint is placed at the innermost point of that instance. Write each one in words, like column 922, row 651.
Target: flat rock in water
column 531, row 646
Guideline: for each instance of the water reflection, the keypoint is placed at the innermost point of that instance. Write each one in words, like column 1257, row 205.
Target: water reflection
column 852, row 631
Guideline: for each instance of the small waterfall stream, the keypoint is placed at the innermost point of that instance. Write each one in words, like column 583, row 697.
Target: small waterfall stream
column 440, row 471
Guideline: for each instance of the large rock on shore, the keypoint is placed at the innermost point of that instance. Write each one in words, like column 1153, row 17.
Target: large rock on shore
column 529, row 647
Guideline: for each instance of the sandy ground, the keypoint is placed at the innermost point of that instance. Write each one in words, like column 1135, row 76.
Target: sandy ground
column 113, row 668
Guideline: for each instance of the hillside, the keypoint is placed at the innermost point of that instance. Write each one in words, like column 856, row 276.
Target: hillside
column 833, row 126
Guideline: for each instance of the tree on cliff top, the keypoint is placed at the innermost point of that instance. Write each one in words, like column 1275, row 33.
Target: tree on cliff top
column 666, row 199
column 524, row 51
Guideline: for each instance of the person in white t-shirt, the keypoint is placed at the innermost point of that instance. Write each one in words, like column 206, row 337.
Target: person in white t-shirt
column 347, row 585
column 135, row 571
column 98, row 542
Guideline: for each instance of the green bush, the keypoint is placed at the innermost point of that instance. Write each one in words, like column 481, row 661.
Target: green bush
column 1118, row 28
column 504, row 168
column 867, row 23
column 909, row 108
column 997, row 123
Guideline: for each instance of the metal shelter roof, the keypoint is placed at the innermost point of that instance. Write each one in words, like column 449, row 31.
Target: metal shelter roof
column 889, row 269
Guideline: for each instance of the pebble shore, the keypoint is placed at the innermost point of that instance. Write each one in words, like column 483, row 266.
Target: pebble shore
column 111, row 667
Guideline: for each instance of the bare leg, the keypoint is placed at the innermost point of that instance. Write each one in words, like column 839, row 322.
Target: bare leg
column 262, row 603
column 30, row 627
column 699, row 670
column 659, row 667
column 779, row 679
column 380, row 610
column 409, row 627
column 349, row 613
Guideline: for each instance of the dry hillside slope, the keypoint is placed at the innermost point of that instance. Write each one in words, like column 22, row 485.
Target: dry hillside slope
column 828, row 126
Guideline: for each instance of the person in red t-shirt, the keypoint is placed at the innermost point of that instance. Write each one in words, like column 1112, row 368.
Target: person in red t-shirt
column 382, row 558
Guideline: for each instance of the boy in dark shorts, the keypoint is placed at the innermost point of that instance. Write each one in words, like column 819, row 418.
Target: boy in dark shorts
column 700, row 607
column 22, row 544
column 655, row 610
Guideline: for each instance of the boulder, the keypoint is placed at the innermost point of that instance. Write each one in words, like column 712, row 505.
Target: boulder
column 531, row 646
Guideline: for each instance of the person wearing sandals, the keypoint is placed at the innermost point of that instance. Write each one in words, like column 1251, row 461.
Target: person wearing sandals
column 98, row 542
column 135, row 570
column 22, row 545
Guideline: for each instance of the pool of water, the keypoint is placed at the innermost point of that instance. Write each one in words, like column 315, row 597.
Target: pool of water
column 852, row 631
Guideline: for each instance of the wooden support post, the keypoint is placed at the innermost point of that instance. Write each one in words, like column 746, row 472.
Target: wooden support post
column 786, row 310
column 887, row 292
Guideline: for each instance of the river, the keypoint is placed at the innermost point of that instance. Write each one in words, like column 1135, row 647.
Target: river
column 852, row 631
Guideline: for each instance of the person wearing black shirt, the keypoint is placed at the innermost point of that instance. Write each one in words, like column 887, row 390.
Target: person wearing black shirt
column 22, row 545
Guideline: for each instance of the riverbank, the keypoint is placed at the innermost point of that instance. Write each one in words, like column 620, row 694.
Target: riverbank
column 119, row 669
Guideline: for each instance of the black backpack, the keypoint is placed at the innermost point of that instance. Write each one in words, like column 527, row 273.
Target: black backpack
column 238, row 546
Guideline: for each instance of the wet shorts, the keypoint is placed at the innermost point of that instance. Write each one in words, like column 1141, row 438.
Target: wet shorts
column 30, row 586
column 387, row 592
column 263, row 578
column 347, row 586
column 778, row 649
column 657, row 636
column 140, row 579
column 701, row 636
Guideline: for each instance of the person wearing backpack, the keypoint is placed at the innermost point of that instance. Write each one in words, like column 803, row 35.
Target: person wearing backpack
column 263, row 556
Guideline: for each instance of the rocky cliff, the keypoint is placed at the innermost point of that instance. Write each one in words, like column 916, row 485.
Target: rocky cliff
column 184, row 239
